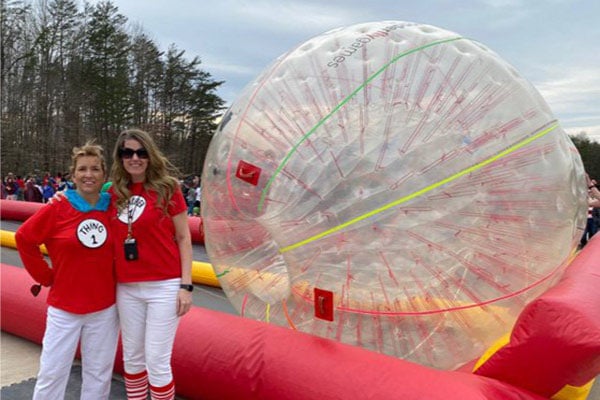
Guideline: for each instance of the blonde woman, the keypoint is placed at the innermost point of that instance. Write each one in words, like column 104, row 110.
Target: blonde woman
column 153, row 262
column 82, row 282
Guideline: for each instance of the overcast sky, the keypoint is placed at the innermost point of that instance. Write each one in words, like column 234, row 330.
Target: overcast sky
column 555, row 44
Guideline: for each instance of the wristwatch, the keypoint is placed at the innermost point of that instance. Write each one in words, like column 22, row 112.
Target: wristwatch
column 189, row 288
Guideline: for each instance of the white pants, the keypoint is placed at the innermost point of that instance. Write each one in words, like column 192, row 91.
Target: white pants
column 99, row 333
column 148, row 313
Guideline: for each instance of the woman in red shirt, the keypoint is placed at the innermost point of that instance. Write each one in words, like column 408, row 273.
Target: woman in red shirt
column 82, row 280
column 153, row 262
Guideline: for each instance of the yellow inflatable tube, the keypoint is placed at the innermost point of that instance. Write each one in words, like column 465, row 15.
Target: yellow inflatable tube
column 202, row 272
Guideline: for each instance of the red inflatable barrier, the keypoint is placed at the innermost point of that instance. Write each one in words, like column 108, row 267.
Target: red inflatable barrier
column 21, row 314
column 18, row 210
column 196, row 229
column 21, row 210
column 556, row 339
column 221, row 356
column 235, row 358
column 24, row 315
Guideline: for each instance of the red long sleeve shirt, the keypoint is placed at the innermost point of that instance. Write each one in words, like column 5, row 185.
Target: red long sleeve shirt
column 81, row 250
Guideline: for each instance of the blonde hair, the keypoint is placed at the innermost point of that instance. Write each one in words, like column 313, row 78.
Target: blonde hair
column 160, row 173
column 89, row 149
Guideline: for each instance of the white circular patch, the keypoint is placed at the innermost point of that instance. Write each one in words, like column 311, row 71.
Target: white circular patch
column 92, row 233
column 135, row 208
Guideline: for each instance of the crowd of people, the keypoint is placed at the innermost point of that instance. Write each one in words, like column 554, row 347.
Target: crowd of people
column 33, row 187
column 593, row 217
column 192, row 191
column 41, row 189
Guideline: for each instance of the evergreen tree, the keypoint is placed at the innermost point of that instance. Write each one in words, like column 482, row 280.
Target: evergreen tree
column 16, row 55
column 107, row 71
column 206, row 108
column 146, row 76
column 590, row 154
column 69, row 75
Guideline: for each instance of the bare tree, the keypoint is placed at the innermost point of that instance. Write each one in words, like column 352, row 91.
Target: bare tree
column 70, row 75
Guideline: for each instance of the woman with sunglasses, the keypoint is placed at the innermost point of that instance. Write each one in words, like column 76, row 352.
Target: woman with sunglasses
column 82, row 280
column 153, row 262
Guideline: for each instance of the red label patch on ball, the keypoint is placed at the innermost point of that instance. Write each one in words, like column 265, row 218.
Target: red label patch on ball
column 324, row 304
column 248, row 172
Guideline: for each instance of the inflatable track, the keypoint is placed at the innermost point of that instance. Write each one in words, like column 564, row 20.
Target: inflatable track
column 553, row 351
column 556, row 342
column 219, row 356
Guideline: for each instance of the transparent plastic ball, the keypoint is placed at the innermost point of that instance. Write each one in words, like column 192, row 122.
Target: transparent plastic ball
column 394, row 186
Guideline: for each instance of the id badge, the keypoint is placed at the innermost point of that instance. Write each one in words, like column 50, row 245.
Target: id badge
column 131, row 250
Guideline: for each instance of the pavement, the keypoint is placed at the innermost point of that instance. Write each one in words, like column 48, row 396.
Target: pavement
column 595, row 393
column 19, row 364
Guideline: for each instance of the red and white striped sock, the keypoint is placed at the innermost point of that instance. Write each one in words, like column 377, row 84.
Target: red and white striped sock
column 166, row 392
column 136, row 385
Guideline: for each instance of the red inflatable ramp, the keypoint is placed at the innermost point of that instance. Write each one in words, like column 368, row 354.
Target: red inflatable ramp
column 21, row 314
column 556, row 339
column 18, row 210
column 221, row 356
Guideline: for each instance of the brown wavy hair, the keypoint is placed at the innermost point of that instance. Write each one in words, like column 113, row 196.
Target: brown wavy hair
column 160, row 173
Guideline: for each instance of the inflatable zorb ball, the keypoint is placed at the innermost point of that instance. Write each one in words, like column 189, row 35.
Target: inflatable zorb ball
column 394, row 186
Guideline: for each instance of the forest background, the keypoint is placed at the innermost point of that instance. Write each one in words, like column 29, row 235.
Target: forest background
column 70, row 74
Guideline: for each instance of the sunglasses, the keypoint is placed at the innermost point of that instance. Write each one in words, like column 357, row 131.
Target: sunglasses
column 128, row 153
